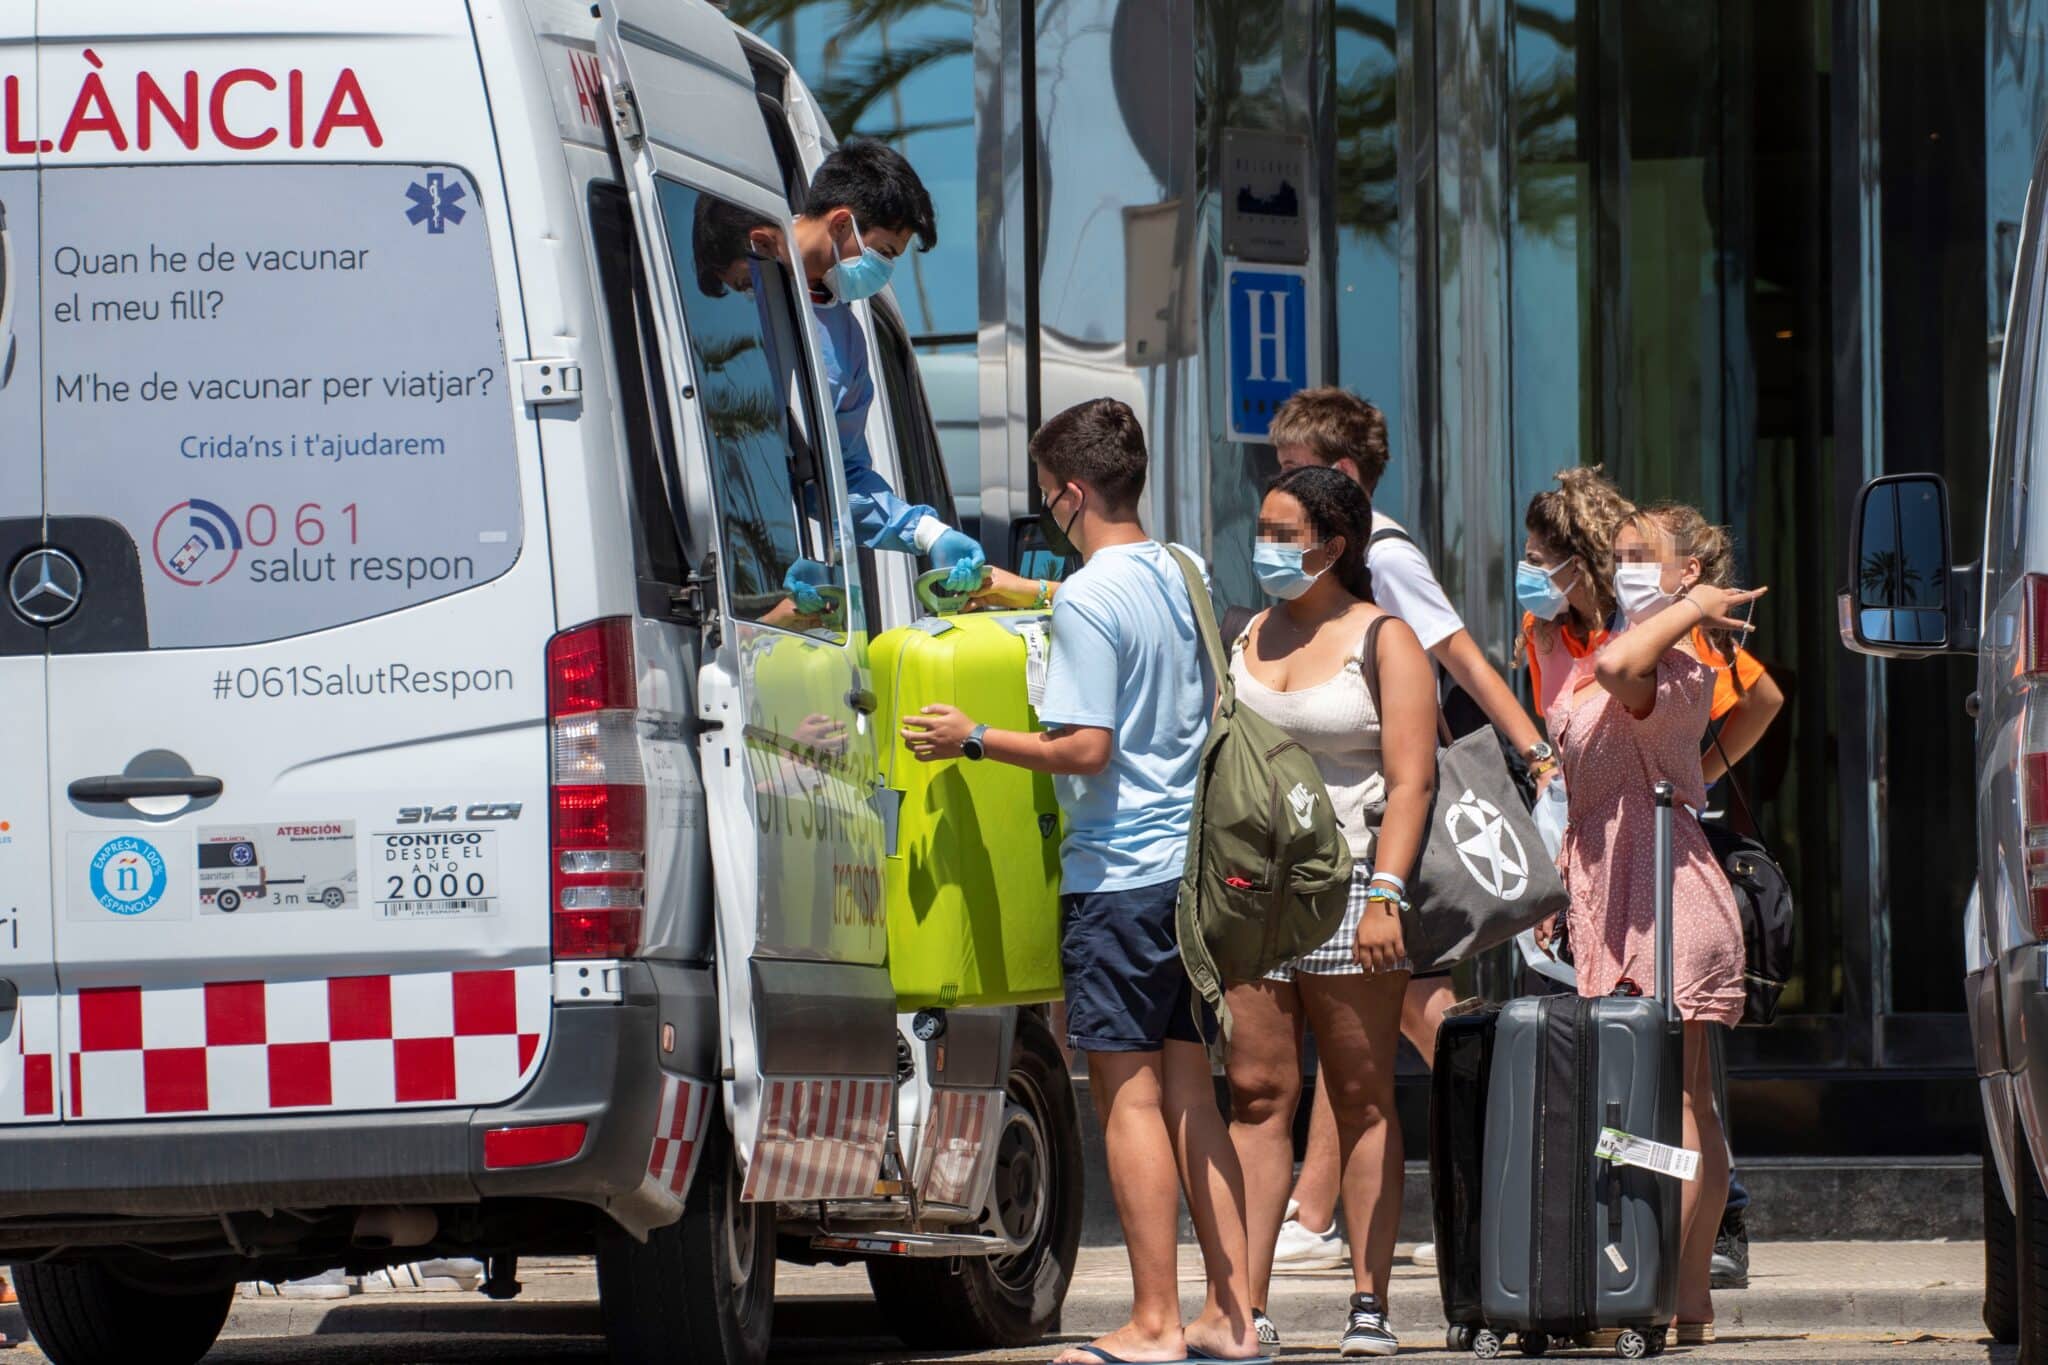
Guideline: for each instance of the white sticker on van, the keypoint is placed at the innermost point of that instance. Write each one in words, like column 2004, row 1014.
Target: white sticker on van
column 250, row 869
column 118, row 878
column 287, row 383
column 437, row 874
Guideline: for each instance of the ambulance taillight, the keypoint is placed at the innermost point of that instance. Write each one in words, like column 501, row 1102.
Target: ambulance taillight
column 598, row 817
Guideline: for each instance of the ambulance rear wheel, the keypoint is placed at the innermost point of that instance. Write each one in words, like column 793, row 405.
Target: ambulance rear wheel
column 228, row 901
column 81, row 1315
column 702, row 1288
column 1015, row 1299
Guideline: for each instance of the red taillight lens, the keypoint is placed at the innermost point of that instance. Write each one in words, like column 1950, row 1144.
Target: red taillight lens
column 2034, row 830
column 542, row 1146
column 590, row 668
column 598, row 820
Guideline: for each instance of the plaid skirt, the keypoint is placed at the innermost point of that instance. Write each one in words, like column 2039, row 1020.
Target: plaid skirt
column 1334, row 957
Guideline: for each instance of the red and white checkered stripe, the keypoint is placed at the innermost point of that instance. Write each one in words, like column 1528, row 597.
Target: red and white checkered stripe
column 820, row 1139
column 28, row 1070
column 679, row 1132
column 956, row 1133
column 345, row 1042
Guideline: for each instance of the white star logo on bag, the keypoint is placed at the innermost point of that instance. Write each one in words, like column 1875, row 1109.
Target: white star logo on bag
column 1488, row 846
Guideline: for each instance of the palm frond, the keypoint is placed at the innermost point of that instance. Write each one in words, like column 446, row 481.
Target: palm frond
column 846, row 98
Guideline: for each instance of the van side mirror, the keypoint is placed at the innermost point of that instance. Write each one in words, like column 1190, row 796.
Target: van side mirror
column 1905, row 598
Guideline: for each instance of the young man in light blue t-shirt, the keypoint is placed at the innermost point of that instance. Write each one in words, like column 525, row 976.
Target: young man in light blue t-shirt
column 1127, row 702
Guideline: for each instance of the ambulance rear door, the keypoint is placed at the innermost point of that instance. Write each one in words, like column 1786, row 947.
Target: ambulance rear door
column 39, row 587
column 299, row 772
column 787, row 746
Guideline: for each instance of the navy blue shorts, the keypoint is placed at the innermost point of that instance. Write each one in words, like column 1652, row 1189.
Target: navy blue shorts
column 1126, row 988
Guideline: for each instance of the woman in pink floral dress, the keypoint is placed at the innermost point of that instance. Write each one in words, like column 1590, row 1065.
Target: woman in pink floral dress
column 1630, row 716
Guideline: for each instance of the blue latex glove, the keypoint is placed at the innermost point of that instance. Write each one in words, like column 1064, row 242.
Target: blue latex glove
column 802, row 582
column 963, row 559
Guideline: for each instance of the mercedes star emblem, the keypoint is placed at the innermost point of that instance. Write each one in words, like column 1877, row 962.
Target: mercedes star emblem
column 45, row 586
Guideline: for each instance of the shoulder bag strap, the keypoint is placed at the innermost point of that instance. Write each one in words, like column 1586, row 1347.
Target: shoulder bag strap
column 1369, row 664
column 1388, row 533
column 1735, row 784
column 1205, row 626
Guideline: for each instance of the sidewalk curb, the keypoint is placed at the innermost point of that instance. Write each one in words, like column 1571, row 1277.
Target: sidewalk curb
column 1306, row 1309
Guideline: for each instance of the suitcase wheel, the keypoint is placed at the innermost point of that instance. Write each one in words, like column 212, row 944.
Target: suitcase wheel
column 1459, row 1338
column 1631, row 1344
column 1657, row 1338
column 1485, row 1344
column 1534, row 1343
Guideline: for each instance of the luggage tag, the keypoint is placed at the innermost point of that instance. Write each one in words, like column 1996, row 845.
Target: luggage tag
column 1037, row 656
column 1625, row 1149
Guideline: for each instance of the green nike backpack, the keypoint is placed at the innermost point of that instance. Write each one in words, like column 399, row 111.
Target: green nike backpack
column 1268, row 869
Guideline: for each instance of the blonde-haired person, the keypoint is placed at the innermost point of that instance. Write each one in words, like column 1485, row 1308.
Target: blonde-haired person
column 1566, row 589
column 1635, row 716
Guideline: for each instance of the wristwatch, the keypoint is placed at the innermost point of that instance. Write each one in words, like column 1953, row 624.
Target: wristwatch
column 972, row 747
column 1539, row 753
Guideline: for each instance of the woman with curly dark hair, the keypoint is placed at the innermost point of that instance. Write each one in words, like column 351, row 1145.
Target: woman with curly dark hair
column 1300, row 665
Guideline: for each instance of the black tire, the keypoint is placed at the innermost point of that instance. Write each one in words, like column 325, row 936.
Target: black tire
column 2001, row 1258
column 2031, row 1263
column 989, row 1302
column 228, row 902
column 702, row 1288
column 81, row 1315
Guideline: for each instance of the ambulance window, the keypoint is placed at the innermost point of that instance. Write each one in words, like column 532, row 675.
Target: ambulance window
column 286, row 385
column 917, row 442
column 643, row 406
column 776, row 517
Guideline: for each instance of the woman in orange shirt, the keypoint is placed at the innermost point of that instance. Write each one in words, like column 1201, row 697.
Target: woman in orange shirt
column 1571, row 535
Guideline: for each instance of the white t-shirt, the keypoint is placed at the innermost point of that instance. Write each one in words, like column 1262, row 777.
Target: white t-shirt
column 1404, row 584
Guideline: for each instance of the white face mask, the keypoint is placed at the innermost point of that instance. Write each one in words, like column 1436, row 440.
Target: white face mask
column 1639, row 591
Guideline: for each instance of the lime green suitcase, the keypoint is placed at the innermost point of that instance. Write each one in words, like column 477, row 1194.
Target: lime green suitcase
column 972, row 890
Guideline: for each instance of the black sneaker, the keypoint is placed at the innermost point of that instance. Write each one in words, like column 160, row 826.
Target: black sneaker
column 1731, row 1253
column 1269, row 1335
column 1368, row 1333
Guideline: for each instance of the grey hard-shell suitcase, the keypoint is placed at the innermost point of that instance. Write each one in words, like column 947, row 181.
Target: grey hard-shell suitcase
column 1571, row 1243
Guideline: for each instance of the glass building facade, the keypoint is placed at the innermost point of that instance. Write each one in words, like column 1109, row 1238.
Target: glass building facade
column 1744, row 253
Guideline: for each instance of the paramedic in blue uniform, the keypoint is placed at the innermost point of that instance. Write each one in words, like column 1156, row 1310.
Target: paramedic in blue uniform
column 864, row 209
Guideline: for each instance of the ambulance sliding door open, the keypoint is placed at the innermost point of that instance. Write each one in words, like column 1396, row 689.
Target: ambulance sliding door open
column 786, row 747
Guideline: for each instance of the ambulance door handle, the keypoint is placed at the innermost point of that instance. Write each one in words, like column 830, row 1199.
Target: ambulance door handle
column 108, row 790
column 862, row 700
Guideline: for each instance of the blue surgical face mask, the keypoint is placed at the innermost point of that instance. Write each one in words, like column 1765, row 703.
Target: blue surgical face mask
column 1279, row 569
column 863, row 277
column 1536, row 589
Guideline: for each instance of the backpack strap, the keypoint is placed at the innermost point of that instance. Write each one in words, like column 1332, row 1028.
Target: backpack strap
column 1205, row 626
column 1369, row 664
column 1388, row 533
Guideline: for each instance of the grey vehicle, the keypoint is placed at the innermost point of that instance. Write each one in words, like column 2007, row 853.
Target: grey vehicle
column 1909, row 598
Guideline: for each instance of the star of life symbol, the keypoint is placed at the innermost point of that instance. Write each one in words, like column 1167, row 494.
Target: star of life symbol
column 1303, row 802
column 436, row 203
column 1488, row 846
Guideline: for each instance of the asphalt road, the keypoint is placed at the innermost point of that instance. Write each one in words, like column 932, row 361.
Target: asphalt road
column 1841, row 1301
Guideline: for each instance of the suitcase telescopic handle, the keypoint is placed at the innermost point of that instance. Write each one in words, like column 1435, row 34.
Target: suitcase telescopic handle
column 1665, row 795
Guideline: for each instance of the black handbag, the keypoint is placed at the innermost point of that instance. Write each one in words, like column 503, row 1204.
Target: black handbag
column 1763, row 897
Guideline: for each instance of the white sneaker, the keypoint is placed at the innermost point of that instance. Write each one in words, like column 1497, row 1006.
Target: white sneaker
column 1424, row 1254
column 1298, row 1247
column 460, row 1275
column 333, row 1284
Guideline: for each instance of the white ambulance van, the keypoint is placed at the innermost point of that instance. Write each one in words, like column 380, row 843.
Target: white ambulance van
column 386, row 504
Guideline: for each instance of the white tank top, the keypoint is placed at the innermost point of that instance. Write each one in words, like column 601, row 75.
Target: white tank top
column 1338, row 724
